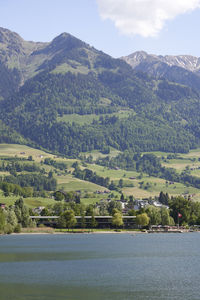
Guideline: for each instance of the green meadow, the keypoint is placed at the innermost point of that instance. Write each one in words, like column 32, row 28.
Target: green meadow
column 88, row 119
column 134, row 183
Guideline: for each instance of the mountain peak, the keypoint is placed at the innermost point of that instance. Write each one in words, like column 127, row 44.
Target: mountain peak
column 7, row 36
column 135, row 58
column 188, row 62
column 63, row 42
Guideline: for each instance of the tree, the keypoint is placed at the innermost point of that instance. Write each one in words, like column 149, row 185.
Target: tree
column 11, row 218
column 117, row 220
column 142, row 219
column 2, row 220
column 6, row 187
column 103, row 208
column 59, row 196
column 45, row 212
column 77, row 198
column 154, row 215
column 93, row 222
column 83, row 223
column 121, row 184
column 112, row 186
column 131, row 202
column 67, row 219
column 180, row 205
column 89, row 210
column 122, row 197
column 22, row 213
column 132, row 212
column 163, row 198
column 112, row 205
column 58, row 208
column 165, row 217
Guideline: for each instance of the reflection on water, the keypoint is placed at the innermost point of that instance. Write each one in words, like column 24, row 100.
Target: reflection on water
column 92, row 267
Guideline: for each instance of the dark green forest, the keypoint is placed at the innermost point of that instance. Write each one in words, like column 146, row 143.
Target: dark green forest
column 75, row 78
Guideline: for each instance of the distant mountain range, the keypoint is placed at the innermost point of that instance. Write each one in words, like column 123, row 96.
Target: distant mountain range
column 184, row 69
column 68, row 97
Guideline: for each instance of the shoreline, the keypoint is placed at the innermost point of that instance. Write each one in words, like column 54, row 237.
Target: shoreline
column 100, row 232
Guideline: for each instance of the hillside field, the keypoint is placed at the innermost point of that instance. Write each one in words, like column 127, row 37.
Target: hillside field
column 134, row 183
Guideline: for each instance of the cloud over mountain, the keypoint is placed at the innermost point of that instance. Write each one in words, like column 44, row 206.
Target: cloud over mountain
column 143, row 17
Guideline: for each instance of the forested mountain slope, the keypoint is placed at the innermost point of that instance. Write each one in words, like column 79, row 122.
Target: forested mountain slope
column 50, row 82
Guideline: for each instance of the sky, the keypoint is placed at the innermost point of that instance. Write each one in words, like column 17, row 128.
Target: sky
column 117, row 27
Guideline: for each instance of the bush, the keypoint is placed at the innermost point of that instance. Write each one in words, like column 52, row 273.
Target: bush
column 17, row 228
column 41, row 226
column 8, row 229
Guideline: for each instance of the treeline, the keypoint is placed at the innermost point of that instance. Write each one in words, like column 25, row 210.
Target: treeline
column 13, row 218
column 10, row 136
column 38, row 182
column 132, row 133
column 14, row 189
column 67, row 196
column 14, row 167
column 181, row 210
column 56, row 164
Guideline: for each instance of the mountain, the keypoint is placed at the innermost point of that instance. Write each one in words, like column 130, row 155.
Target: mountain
column 183, row 69
column 68, row 97
column 188, row 62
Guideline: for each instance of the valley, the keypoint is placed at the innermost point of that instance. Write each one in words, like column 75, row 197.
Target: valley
column 80, row 125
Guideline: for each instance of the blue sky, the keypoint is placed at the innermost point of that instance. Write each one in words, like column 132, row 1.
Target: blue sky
column 117, row 27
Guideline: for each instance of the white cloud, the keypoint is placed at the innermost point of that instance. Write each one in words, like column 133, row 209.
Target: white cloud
column 143, row 17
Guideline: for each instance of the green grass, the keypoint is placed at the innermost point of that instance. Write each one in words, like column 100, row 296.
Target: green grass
column 64, row 68
column 30, row 202
column 79, row 119
column 88, row 119
column 181, row 164
column 97, row 154
column 39, row 201
column 195, row 172
column 112, row 174
column 195, row 153
column 156, row 185
column 74, row 184
column 23, row 151
column 69, row 183
column 88, row 201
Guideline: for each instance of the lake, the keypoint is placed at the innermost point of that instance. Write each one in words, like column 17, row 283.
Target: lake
column 100, row 266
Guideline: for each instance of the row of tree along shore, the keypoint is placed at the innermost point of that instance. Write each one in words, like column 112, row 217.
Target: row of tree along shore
column 68, row 215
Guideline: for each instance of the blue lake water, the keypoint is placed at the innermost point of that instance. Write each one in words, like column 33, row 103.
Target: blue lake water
column 101, row 266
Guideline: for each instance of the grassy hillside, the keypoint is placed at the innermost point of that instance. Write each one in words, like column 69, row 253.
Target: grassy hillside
column 134, row 183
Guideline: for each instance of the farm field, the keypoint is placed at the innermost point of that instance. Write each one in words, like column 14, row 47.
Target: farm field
column 190, row 160
column 23, row 151
column 75, row 184
column 134, row 183
column 146, row 186
column 30, row 202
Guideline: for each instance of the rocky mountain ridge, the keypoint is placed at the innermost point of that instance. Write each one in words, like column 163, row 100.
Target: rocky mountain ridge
column 188, row 62
column 183, row 69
